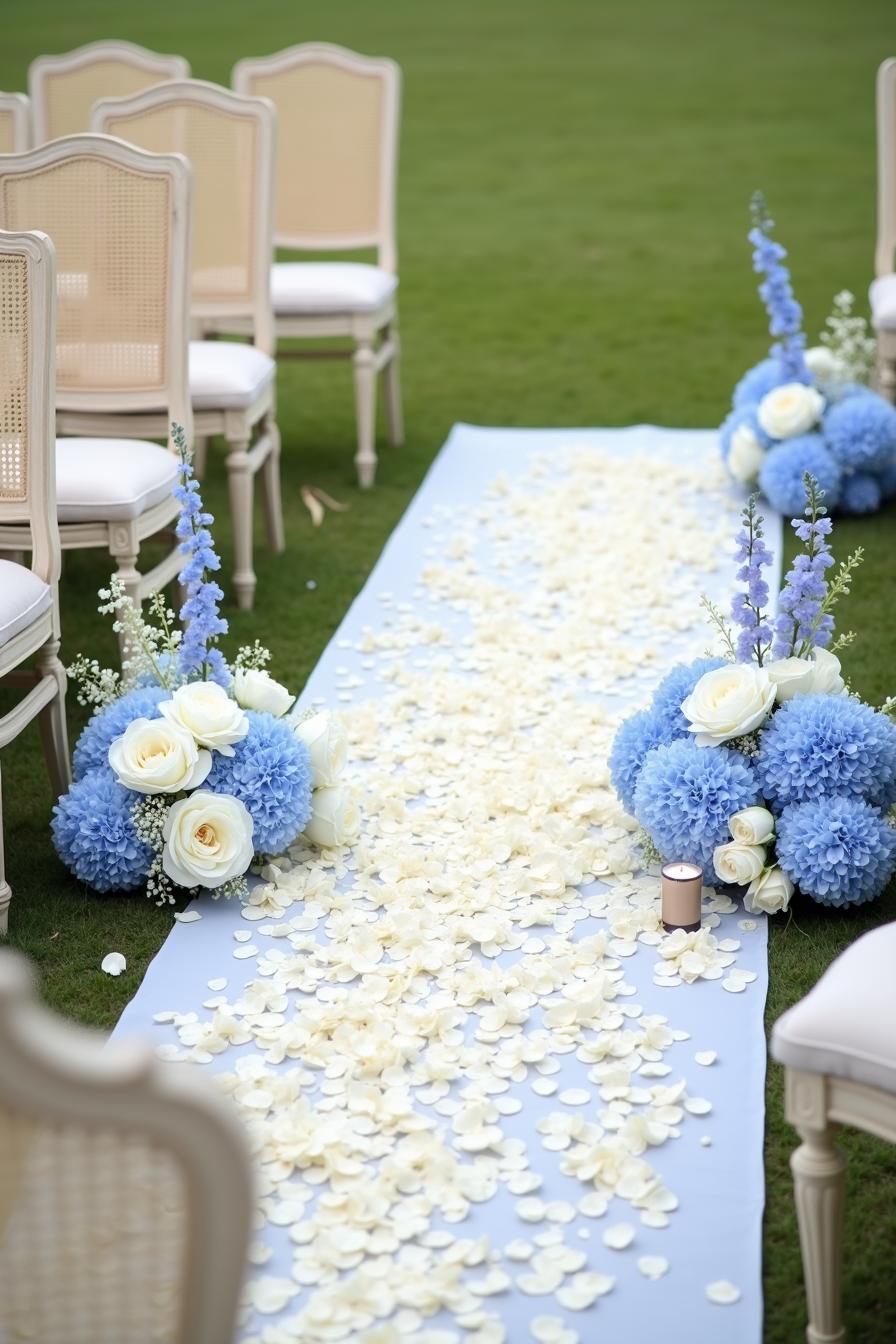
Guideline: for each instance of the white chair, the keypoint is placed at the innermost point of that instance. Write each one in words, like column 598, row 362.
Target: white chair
column 125, row 1187
column 883, row 289
column 29, row 601
column 337, row 161
column 839, row 1050
column 120, row 220
column 15, row 123
column 229, row 142
column 64, row 87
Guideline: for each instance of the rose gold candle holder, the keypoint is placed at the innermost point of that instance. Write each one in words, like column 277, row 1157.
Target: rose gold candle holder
column 682, row 884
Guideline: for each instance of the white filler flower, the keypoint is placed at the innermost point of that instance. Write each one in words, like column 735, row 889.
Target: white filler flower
column 204, row 709
column 729, row 702
column 256, row 689
column 818, row 675
column 790, row 410
column 746, row 455
column 769, row 892
column 752, row 826
column 828, row 371
column 208, row 840
column 324, row 736
column 154, row 756
column 738, row 863
column 335, row 818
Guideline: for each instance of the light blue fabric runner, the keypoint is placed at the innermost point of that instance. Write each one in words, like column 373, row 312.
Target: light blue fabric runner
column 716, row 1232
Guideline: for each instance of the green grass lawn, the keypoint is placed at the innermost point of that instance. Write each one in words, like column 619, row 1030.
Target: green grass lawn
column 573, row 204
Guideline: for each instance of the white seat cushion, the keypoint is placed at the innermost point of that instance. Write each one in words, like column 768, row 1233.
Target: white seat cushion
column 112, row 479
column 844, row 1026
column 329, row 287
column 883, row 302
column 227, row 375
column 23, row 597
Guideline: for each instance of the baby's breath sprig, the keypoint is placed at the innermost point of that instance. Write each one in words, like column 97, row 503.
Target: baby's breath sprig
column 149, row 816
column 96, row 686
column 236, row 889
column 848, row 339
column 251, row 657
column 147, row 649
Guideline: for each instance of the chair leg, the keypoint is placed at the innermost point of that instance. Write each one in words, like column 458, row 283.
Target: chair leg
column 125, row 550
column 818, row 1172
column 54, row 737
column 200, row 455
column 239, row 475
column 392, row 389
column 886, row 376
column 270, row 484
column 365, row 412
column 5, row 890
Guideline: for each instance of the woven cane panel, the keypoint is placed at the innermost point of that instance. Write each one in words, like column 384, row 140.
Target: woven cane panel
column 328, row 149
column 222, row 150
column 70, row 94
column 92, row 1236
column 14, row 324
column 7, row 131
column 110, row 228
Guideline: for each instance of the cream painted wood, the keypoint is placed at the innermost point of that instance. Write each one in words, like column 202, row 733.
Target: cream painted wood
column 337, row 165
column 229, row 140
column 28, row 497
column 885, row 252
column 64, row 87
column 125, row 1187
column 120, row 221
column 15, row 123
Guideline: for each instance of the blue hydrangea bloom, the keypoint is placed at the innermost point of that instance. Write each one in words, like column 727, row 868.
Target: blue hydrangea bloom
column 270, row 772
column 741, row 415
column 861, row 432
column 92, row 750
column 637, row 735
column 685, row 795
column 861, row 493
column 675, row 687
column 826, row 745
column 839, row 851
column 782, row 472
column 759, row 380
column 887, row 480
column 94, row 834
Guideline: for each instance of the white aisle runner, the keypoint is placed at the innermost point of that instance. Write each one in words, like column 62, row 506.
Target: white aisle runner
column 478, row 1114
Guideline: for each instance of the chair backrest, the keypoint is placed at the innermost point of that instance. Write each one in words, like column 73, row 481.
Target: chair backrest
column 125, row 1187
column 229, row 141
column 885, row 254
column 15, row 123
column 27, row 394
column 337, row 154
column 119, row 218
column 64, row 88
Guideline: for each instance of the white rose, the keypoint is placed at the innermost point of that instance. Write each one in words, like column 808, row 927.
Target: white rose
column 746, row 456
column 208, row 840
column 826, row 678
column 153, row 756
column 325, row 739
column 738, row 863
column 828, row 371
column 258, row 690
column 818, row 675
column 728, row 702
column 204, row 709
column 790, row 410
column 752, row 826
column 335, row 818
column 769, row 892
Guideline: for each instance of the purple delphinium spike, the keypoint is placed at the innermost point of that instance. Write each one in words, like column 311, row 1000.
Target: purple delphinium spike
column 776, row 292
column 202, row 620
column 800, row 624
column 748, row 608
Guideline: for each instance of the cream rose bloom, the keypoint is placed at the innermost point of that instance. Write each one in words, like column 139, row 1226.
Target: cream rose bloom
column 256, row 689
column 208, row 840
column 827, row 370
column 738, row 863
column 752, row 826
column 324, row 736
column 790, row 410
column 728, row 702
column 204, row 709
column 335, row 818
column 154, row 756
column 826, row 678
column 769, row 892
column 746, row 455
column 819, row 674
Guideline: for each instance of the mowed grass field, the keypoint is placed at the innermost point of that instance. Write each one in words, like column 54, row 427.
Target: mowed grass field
column 573, row 203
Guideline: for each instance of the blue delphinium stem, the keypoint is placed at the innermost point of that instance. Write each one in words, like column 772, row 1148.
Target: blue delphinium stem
column 776, row 292
column 802, row 624
column 748, row 608
column 203, row 622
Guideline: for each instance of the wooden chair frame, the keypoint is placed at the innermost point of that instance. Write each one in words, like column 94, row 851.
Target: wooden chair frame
column 885, row 251
column 16, row 108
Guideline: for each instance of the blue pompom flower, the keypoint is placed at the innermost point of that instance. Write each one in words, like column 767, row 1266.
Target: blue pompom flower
column 92, row 750
column 861, row 493
column 839, row 851
column 94, row 833
column 756, row 382
column 741, row 415
column 675, row 687
column 636, row 736
column 270, row 773
column 826, row 745
column 782, row 472
column 685, row 795
column 861, row 432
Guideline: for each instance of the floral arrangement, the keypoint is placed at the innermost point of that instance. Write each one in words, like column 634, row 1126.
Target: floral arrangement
column 189, row 767
column 810, row 410
column 760, row 765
